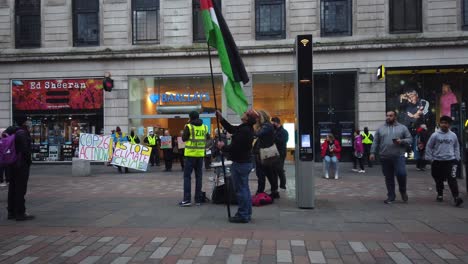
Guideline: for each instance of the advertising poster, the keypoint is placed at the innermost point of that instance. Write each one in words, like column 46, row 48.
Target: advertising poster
column 95, row 147
column 166, row 142
column 75, row 94
column 133, row 156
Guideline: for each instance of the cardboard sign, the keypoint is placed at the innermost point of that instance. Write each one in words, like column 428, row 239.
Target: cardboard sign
column 180, row 143
column 166, row 142
column 95, row 147
column 133, row 156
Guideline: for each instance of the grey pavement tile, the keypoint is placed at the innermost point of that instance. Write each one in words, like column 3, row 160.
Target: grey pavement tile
column 240, row 241
column 384, row 261
column 73, row 251
column 402, row 245
column 235, row 259
column 283, row 256
column 254, row 244
column 207, row 250
column 121, row 260
column 444, row 254
column 16, row 250
column 267, row 259
column 316, row 257
column 365, row 257
column 283, row 244
column 105, row 239
column 27, row 260
column 29, row 238
column 351, row 259
column 299, row 251
column 160, row 253
column 221, row 253
column 331, row 253
column 159, row 240
column 358, row 247
column 202, row 260
column 184, row 261
column 90, row 260
column 121, row 248
column 141, row 256
column 297, row 243
column 399, row 258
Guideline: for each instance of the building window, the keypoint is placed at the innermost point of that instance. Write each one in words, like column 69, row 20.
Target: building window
column 405, row 16
column 86, row 22
column 465, row 14
column 145, row 21
column 270, row 19
column 336, row 18
column 28, row 23
column 198, row 29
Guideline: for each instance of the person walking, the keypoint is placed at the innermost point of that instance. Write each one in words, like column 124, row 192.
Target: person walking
column 331, row 154
column 168, row 152
column 358, row 154
column 265, row 135
column 422, row 136
column 20, row 170
column 281, row 140
column 153, row 141
column 367, row 139
column 240, row 151
column 443, row 149
column 390, row 142
column 194, row 136
column 119, row 137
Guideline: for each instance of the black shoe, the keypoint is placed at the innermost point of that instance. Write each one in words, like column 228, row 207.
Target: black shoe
column 404, row 197
column 238, row 219
column 389, row 201
column 25, row 217
column 120, row 170
column 274, row 195
column 126, row 170
column 458, row 201
column 440, row 198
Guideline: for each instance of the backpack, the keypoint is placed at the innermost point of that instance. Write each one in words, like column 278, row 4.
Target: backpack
column 261, row 199
column 7, row 149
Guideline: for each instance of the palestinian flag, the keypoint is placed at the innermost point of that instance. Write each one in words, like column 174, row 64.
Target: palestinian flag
column 220, row 38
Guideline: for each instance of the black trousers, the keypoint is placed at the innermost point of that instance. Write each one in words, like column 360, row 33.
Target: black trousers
column 367, row 148
column 443, row 170
column 421, row 162
column 17, row 190
column 266, row 172
column 360, row 161
column 4, row 171
column 181, row 157
column 168, row 156
column 280, row 173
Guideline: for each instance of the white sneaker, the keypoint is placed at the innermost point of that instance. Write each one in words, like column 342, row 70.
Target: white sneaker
column 326, row 176
column 362, row 171
column 3, row 184
column 336, row 176
column 355, row 170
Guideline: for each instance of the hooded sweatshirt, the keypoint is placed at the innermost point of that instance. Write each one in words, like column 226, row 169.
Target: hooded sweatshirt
column 443, row 146
column 186, row 134
column 383, row 140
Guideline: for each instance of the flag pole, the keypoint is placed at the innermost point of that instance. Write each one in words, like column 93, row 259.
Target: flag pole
column 226, row 179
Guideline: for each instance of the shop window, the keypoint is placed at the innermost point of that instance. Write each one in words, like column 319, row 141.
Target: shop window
column 270, row 19
column 465, row 14
column 198, row 29
column 86, row 22
column 27, row 23
column 336, row 18
column 405, row 16
column 145, row 20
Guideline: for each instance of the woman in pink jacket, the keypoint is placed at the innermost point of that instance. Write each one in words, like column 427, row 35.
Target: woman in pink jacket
column 358, row 152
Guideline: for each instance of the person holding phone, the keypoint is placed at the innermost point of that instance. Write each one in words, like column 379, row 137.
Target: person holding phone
column 390, row 142
column 331, row 154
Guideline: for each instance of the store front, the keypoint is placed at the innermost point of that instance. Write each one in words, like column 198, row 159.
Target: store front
column 423, row 95
column 59, row 110
column 160, row 103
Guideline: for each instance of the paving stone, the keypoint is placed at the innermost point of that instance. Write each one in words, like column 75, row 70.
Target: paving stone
column 29, row 238
column 73, row 251
column 297, row 243
column 267, row 259
column 298, row 251
column 240, row 241
column 254, row 244
column 121, row 260
column 105, row 239
column 184, row 261
column 402, row 245
column 119, row 249
column 334, row 261
column 283, row 255
column 158, row 240
column 235, row 259
column 358, row 247
column 399, row 258
column 238, row 249
column 90, row 260
column 141, row 256
column 443, row 253
column 316, row 257
column 27, row 260
column 351, row 259
column 331, row 253
column 411, row 254
column 207, row 251
column 454, row 249
column 16, row 250
column 132, row 251
column 160, row 253
column 283, row 244
column 365, row 257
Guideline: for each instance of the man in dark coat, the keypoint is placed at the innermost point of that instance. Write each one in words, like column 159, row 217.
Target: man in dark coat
column 281, row 139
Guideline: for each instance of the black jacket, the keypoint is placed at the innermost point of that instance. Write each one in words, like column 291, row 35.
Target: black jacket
column 265, row 137
column 240, row 149
column 281, row 139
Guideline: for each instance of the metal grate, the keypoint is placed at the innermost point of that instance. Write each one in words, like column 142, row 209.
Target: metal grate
column 145, row 21
column 336, row 18
column 86, row 22
column 27, row 23
column 270, row 19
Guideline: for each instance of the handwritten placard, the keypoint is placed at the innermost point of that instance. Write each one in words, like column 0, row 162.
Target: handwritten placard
column 180, row 143
column 133, row 156
column 95, row 147
column 166, row 142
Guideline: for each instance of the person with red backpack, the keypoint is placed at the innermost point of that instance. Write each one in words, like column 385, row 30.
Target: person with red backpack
column 19, row 170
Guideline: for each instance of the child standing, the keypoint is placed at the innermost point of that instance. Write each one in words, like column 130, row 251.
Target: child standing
column 443, row 150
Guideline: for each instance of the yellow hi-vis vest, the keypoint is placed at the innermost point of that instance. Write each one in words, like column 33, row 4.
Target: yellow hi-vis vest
column 152, row 140
column 195, row 146
column 132, row 139
column 366, row 139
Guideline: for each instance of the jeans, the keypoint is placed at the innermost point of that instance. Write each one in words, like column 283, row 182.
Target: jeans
column 392, row 167
column 195, row 164
column 240, row 176
column 421, row 163
column 327, row 160
column 442, row 170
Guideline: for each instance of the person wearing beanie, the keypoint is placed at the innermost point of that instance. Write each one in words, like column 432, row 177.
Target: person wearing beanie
column 195, row 135
column 443, row 149
column 19, row 183
column 240, row 151
column 117, row 138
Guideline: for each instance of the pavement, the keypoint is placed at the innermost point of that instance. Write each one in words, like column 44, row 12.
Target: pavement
column 134, row 218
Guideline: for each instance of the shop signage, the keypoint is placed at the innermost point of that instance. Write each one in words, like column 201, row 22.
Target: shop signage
column 57, row 94
column 133, row 156
column 95, row 147
column 179, row 98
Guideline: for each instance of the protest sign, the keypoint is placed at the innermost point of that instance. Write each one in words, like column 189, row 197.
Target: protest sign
column 166, row 142
column 180, row 143
column 133, row 156
column 95, row 147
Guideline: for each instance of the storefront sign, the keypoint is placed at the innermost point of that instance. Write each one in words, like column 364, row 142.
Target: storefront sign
column 95, row 147
column 179, row 98
column 133, row 156
column 57, row 94
column 166, row 142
